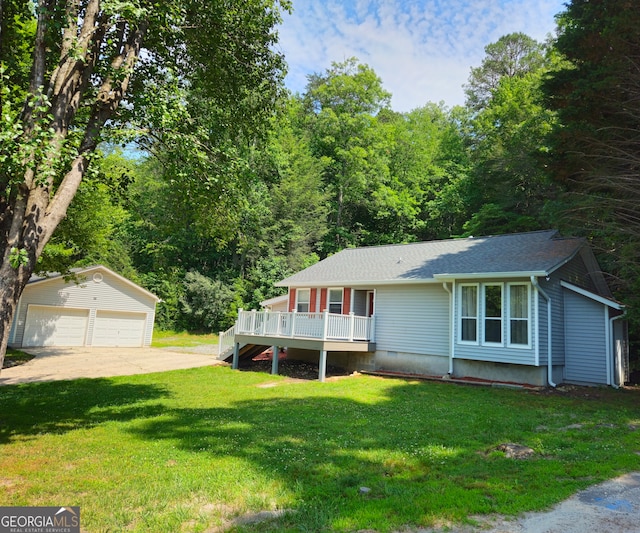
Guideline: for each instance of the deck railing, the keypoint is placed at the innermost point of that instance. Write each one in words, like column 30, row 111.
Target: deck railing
column 225, row 340
column 322, row 326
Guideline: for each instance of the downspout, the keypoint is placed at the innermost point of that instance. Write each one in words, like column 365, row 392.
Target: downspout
column 610, row 347
column 607, row 345
column 451, row 322
column 535, row 283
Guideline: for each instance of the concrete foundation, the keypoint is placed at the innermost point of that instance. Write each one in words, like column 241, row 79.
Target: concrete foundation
column 431, row 365
column 410, row 363
column 531, row 375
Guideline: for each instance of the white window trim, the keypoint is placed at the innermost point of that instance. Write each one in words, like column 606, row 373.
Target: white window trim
column 461, row 317
column 483, row 308
column 308, row 302
column 329, row 302
column 529, row 318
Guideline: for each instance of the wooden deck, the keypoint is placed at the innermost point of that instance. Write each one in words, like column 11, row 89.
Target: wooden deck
column 321, row 332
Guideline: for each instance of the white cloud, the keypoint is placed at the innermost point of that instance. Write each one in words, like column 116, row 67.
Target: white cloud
column 422, row 49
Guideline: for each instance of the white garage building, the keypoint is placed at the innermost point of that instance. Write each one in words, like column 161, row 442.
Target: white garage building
column 97, row 308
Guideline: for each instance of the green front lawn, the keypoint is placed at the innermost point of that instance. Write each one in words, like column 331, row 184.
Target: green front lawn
column 184, row 339
column 191, row 450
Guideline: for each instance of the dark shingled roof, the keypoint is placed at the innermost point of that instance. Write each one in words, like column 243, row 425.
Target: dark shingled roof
column 534, row 253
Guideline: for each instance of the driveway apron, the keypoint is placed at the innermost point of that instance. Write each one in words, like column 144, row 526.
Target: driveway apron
column 53, row 364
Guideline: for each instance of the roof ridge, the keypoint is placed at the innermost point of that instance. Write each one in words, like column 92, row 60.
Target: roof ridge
column 454, row 239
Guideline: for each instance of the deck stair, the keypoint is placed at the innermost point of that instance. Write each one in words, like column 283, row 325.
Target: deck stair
column 247, row 351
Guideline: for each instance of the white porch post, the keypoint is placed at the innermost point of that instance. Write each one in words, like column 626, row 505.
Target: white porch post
column 236, row 356
column 325, row 324
column 263, row 329
column 274, row 361
column 322, row 371
column 352, row 325
column 293, row 323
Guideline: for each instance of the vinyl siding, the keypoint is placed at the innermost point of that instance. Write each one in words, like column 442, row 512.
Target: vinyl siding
column 413, row 319
column 576, row 272
column 553, row 289
column 109, row 294
column 585, row 342
column 542, row 329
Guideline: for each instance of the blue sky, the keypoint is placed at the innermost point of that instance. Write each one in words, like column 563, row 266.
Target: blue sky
column 422, row 49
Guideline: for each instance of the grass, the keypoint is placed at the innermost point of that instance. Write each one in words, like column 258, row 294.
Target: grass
column 190, row 450
column 165, row 339
column 15, row 357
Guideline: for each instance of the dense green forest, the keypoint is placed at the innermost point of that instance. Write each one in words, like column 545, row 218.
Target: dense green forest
column 208, row 212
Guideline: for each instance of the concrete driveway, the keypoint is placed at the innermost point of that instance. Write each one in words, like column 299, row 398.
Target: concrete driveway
column 612, row 506
column 52, row 364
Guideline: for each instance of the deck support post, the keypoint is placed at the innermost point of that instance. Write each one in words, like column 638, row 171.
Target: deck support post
column 274, row 361
column 236, row 356
column 322, row 371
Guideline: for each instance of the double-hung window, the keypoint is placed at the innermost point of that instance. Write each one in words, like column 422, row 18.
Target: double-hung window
column 335, row 301
column 469, row 313
column 492, row 331
column 519, row 305
column 303, row 297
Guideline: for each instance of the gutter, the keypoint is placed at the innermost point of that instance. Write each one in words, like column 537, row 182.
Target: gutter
column 535, row 283
column 451, row 322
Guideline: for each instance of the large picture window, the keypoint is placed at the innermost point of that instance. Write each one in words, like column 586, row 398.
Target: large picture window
column 519, row 296
column 493, row 314
column 335, row 301
column 469, row 313
column 303, row 298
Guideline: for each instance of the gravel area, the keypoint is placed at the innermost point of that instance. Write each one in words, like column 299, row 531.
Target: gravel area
column 205, row 349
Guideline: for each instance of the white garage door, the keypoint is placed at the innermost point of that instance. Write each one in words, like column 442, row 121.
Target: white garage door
column 117, row 328
column 55, row 326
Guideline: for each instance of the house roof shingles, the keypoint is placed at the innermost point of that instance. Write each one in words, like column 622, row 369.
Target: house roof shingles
column 539, row 252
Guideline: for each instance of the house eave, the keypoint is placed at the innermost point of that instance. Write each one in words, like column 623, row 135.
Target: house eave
column 437, row 278
column 355, row 283
column 588, row 294
column 491, row 275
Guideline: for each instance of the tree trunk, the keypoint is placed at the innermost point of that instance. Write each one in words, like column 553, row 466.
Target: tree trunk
column 12, row 283
column 33, row 209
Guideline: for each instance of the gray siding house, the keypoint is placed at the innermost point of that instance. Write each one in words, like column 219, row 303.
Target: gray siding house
column 97, row 308
column 531, row 308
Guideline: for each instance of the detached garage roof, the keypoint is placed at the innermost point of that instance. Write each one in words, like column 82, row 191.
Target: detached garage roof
column 80, row 275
